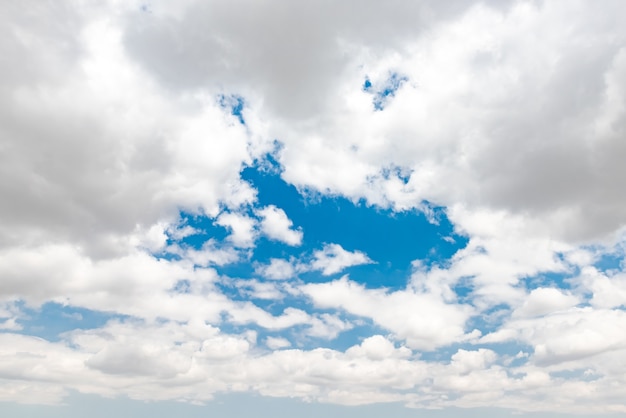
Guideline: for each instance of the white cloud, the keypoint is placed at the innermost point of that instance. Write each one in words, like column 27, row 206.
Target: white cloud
column 542, row 301
column 209, row 254
column 132, row 154
column 327, row 326
column 9, row 315
column 197, row 361
column 512, row 118
column 259, row 290
column 277, row 226
column 608, row 290
column 276, row 343
column 277, row 269
column 242, row 227
column 466, row 124
column 333, row 258
column 501, row 252
column 423, row 320
column 379, row 348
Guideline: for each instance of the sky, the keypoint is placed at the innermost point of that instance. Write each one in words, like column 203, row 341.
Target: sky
column 328, row 208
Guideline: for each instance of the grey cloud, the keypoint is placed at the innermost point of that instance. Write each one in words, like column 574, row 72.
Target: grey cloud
column 44, row 54
column 90, row 149
column 292, row 54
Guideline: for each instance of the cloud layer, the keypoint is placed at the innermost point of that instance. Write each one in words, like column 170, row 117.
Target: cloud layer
column 125, row 128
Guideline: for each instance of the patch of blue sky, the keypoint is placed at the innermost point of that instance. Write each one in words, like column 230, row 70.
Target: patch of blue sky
column 205, row 227
column 233, row 103
column 586, row 375
column 610, row 262
column 241, row 269
column 53, row 319
column 392, row 240
column 553, row 279
column 464, row 288
column 383, row 91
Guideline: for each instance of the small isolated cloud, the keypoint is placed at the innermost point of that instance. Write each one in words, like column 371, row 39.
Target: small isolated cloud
column 242, row 229
column 277, row 269
column 333, row 259
column 276, row 343
column 277, row 226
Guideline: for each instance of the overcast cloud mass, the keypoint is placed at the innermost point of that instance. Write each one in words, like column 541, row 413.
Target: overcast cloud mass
column 417, row 204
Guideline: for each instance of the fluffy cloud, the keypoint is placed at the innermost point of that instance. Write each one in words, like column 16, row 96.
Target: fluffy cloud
column 277, row 269
column 196, row 361
column 243, row 232
column 115, row 117
column 423, row 320
column 333, row 258
column 276, row 225
column 468, row 127
column 543, row 301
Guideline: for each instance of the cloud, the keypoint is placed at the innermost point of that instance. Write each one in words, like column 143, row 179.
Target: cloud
column 277, row 269
column 277, row 226
column 209, row 254
column 542, row 301
column 422, row 320
column 296, row 79
column 509, row 116
column 198, row 361
column 468, row 128
column 333, row 258
column 97, row 149
column 9, row 315
column 242, row 227
column 608, row 289
column 276, row 343
column 378, row 347
column 259, row 290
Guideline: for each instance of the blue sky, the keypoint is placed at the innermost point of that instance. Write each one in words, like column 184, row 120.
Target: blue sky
column 332, row 209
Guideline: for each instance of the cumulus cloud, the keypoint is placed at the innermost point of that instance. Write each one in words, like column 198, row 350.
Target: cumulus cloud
column 210, row 254
column 333, row 258
column 277, row 269
column 242, row 227
column 542, row 301
column 276, row 343
column 467, row 125
column 129, row 156
column 424, row 321
column 510, row 115
column 277, row 226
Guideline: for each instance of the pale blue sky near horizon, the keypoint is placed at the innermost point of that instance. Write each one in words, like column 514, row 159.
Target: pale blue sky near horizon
column 246, row 405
